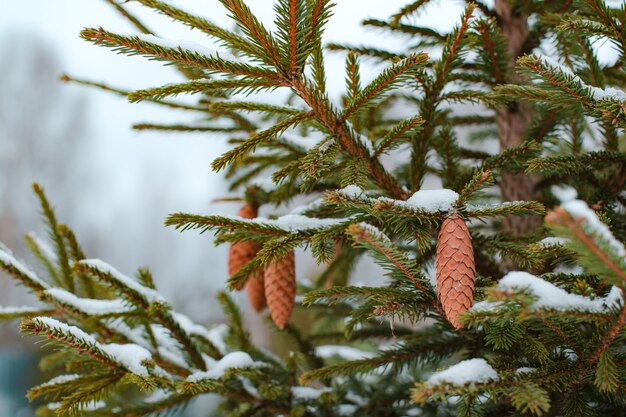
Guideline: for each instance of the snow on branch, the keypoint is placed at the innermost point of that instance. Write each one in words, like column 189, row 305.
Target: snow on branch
column 134, row 358
column 89, row 306
column 148, row 294
column 549, row 296
column 578, row 209
column 12, row 266
column 233, row 360
column 596, row 93
column 470, row 371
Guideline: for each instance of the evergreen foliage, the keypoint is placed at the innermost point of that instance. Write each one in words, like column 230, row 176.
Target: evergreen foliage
column 545, row 336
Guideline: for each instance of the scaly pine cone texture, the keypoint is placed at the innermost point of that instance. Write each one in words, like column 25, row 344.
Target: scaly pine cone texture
column 241, row 253
column 456, row 270
column 280, row 288
column 255, row 286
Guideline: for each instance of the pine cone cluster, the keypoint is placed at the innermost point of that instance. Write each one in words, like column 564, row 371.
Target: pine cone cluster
column 456, row 270
column 280, row 288
column 274, row 287
column 241, row 253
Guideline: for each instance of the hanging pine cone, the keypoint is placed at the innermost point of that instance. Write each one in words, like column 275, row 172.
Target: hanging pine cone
column 456, row 271
column 241, row 253
column 255, row 286
column 280, row 288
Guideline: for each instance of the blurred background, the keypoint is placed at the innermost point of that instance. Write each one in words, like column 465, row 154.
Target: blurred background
column 112, row 184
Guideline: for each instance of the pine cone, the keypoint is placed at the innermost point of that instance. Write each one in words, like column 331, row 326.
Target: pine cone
column 280, row 288
column 255, row 287
column 456, row 271
column 241, row 253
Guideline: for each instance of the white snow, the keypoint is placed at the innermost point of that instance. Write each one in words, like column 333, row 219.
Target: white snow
column 433, row 200
column 65, row 328
column 524, row 370
column 10, row 260
column 168, row 347
column 346, row 409
column 229, row 361
column 465, row 372
column 596, row 93
column 90, row 406
column 580, row 210
column 60, row 379
column 564, row 192
column 550, row 296
column 215, row 335
column 486, row 306
column 297, row 222
column 43, row 247
column 19, row 310
column 374, row 231
column 187, row 45
column 428, row 200
column 345, row 352
column 135, row 335
column 130, row 356
column 552, row 241
column 148, row 293
column 308, row 393
column 351, row 191
column 87, row 305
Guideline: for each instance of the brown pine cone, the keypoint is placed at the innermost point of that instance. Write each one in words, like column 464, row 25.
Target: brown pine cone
column 280, row 288
column 456, row 271
column 241, row 253
column 255, row 287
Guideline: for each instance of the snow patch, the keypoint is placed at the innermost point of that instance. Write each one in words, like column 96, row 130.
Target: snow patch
column 148, row 293
column 433, row 200
column 351, row 191
column 580, row 209
column 87, row 305
column 552, row 297
column 8, row 259
column 60, row 379
column 597, row 93
column 130, row 356
column 564, row 192
column 43, row 247
column 308, row 393
column 465, row 372
column 552, row 241
column 229, row 361
column 19, row 310
column 346, row 352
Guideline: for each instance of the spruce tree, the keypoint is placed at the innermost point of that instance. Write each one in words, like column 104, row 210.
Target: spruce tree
column 503, row 290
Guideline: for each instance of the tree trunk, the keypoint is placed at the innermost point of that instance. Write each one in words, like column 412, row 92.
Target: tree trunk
column 513, row 120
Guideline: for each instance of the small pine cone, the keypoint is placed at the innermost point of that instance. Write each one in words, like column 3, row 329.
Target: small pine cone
column 241, row 253
column 456, row 271
column 248, row 211
column 255, row 287
column 280, row 288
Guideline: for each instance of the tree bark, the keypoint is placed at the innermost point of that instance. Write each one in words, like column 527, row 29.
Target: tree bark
column 513, row 120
